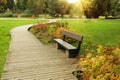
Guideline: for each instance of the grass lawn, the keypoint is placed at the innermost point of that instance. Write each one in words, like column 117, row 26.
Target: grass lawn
column 97, row 32
column 5, row 26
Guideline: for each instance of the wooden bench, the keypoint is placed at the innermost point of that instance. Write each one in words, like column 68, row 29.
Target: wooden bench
column 70, row 50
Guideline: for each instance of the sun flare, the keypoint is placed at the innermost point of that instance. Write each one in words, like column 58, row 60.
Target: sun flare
column 72, row 1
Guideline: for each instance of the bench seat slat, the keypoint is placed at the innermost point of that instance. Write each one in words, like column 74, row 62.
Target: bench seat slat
column 65, row 44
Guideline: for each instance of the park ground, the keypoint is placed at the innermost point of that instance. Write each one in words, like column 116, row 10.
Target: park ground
column 95, row 31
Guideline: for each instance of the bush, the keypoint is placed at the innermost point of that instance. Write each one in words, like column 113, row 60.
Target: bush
column 57, row 33
column 118, row 16
column 40, row 27
column 26, row 15
column 106, row 66
column 42, row 32
column 8, row 13
column 46, row 32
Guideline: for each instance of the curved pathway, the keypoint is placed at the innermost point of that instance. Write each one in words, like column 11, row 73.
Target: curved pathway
column 28, row 59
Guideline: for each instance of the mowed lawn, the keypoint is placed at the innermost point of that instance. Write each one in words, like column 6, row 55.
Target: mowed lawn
column 5, row 26
column 97, row 32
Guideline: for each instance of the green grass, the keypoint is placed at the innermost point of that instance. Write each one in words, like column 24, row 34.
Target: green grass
column 5, row 26
column 97, row 32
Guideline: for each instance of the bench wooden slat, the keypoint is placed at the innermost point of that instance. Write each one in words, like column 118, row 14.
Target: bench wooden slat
column 73, row 35
column 65, row 44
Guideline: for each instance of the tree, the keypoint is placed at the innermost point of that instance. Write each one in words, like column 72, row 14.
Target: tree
column 35, row 7
column 10, row 4
column 3, row 6
column 63, row 7
column 53, row 7
column 115, row 7
column 95, row 8
column 117, row 10
column 20, row 5
column 86, row 7
column 107, row 7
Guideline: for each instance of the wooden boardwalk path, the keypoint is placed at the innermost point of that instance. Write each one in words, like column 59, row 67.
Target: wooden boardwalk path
column 28, row 59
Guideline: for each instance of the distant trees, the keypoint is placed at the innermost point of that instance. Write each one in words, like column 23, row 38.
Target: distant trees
column 95, row 8
column 62, row 7
column 35, row 7
column 20, row 5
column 51, row 7
column 10, row 4
column 3, row 6
column 57, row 8
column 115, row 7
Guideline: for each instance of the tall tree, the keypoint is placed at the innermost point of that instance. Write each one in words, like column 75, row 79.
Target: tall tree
column 3, row 6
column 115, row 7
column 107, row 7
column 10, row 4
column 21, row 4
column 63, row 7
column 94, row 8
column 35, row 7
column 52, row 7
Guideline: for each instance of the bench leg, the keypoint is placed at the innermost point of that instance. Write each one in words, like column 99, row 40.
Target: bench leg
column 59, row 46
column 71, row 53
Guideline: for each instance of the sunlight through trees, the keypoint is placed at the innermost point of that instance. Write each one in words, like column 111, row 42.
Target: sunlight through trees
column 59, row 8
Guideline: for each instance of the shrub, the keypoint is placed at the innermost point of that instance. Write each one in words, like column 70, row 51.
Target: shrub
column 8, row 13
column 40, row 27
column 46, row 32
column 57, row 33
column 42, row 32
column 26, row 15
column 106, row 66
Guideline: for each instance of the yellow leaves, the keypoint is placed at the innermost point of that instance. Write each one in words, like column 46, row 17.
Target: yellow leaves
column 117, row 51
column 99, row 48
column 85, row 62
column 57, row 33
column 89, row 55
column 102, row 67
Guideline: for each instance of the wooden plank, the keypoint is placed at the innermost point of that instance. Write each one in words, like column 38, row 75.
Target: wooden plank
column 65, row 44
column 73, row 35
column 28, row 60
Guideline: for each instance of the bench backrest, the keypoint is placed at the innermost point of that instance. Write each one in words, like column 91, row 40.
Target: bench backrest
column 73, row 35
column 77, row 37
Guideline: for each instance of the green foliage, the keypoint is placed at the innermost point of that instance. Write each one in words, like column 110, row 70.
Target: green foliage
column 3, row 4
column 8, row 13
column 35, row 7
column 20, row 5
column 52, row 7
column 10, row 4
column 57, row 8
column 95, row 8
column 115, row 8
